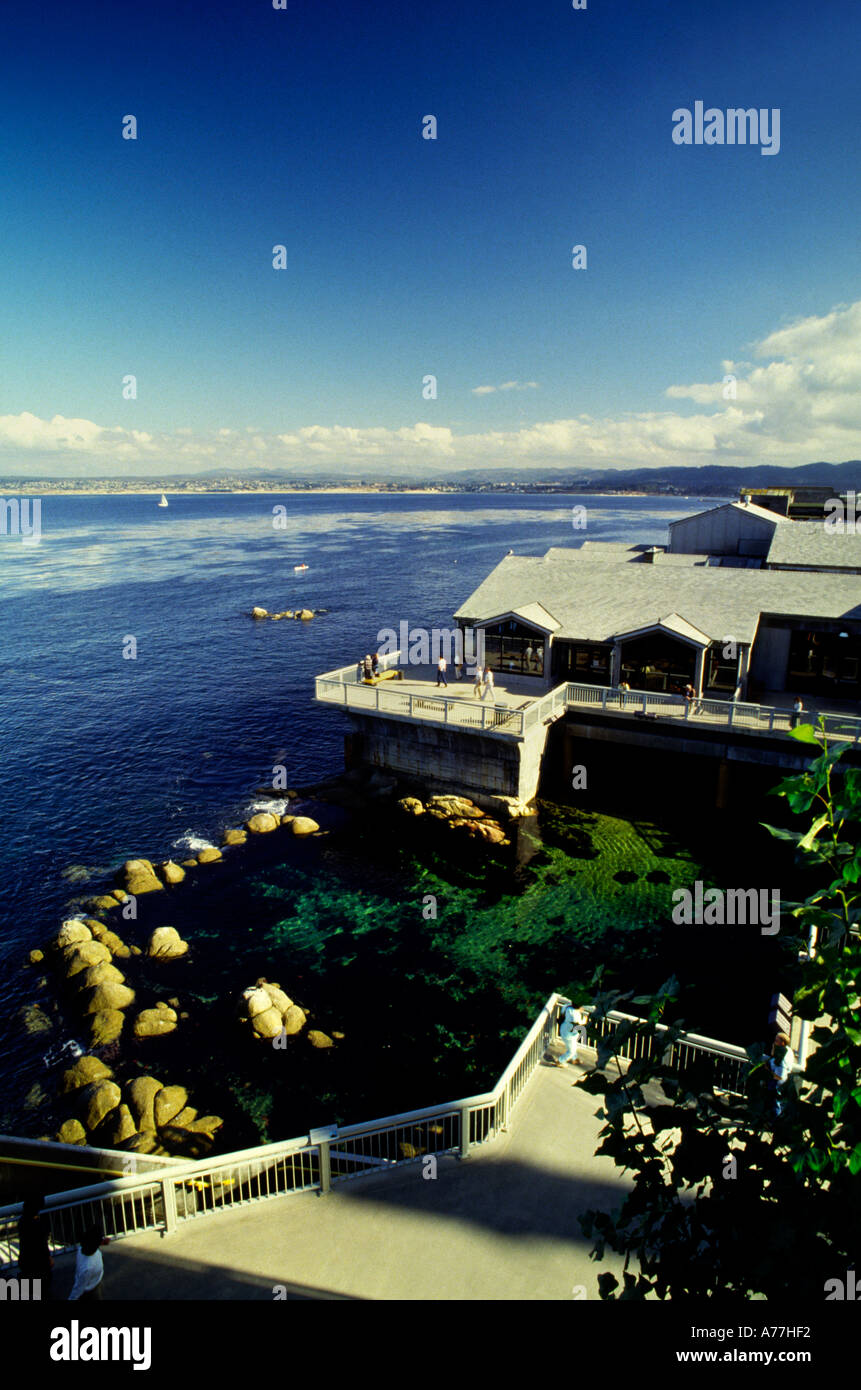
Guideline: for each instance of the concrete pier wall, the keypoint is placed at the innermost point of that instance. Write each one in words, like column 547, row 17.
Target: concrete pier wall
column 444, row 758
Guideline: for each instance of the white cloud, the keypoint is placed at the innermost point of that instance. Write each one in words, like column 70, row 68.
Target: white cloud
column 505, row 386
column 797, row 400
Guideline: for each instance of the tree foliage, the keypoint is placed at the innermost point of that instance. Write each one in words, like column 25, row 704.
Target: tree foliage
column 729, row 1200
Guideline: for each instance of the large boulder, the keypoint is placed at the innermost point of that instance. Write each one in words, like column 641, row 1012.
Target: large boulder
column 260, row 613
column 257, row 1001
column 154, row 1023
column 94, row 1102
column 99, row 974
column 459, row 806
column 114, row 943
column 116, row 1127
column 262, row 823
column 145, row 1143
column 277, row 997
column 104, row 903
column 165, row 943
column 141, row 1094
column 411, row 806
column 72, row 1132
column 168, row 1103
column 105, row 1027
column 209, row 855
column 138, row 876
column 267, row 1024
column 303, row 825
column 73, row 932
column 170, row 872
column 318, row 1039
column 305, row 614
column 235, row 837
column 107, row 996
column 83, row 1073
column 77, row 959
column 294, row 1020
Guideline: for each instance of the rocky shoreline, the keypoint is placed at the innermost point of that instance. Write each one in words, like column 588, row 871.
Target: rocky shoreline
column 100, row 978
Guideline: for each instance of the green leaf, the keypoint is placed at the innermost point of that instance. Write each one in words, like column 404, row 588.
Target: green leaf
column 807, row 841
column 804, row 733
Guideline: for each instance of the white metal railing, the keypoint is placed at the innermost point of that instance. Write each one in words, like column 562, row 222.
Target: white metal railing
column 164, row 1200
column 341, row 687
column 726, row 1063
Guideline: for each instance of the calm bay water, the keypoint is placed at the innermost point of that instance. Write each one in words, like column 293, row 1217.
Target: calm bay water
column 106, row 758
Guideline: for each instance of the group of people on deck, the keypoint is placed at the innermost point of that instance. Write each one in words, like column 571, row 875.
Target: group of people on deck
column 482, row 683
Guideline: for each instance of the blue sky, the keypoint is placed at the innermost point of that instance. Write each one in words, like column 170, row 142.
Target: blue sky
column 408, row 257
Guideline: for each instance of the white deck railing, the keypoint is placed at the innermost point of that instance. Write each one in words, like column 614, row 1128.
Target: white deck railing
column 341, row 688
column 185, row 1191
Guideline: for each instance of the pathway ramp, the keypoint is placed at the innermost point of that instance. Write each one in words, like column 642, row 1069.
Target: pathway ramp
column 500, row 1224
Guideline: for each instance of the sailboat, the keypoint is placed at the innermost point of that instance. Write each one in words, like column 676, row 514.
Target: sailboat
column 163, row 502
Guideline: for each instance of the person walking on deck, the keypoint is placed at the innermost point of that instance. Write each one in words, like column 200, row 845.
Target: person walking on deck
column 797, row 711
column 368, row 667
column 89, row 1269
column 478, row 683
column 440, row 672
column 488, row 684
column 572, row 1031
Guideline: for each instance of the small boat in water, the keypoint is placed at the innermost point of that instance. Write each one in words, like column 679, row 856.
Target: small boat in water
column 297, row 568
column 163, row 502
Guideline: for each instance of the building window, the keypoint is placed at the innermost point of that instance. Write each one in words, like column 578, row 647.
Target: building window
column 824, row 663
column 582, row 662
column 721, row 673
column 514, row 647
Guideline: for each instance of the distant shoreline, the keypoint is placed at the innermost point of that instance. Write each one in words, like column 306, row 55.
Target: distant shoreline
column 271, row 491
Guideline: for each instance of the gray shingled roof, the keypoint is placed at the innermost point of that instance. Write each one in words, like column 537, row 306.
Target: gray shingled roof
column 808, row 543
column 594, row 600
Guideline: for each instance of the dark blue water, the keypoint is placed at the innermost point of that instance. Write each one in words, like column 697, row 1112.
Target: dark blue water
column 105, row 758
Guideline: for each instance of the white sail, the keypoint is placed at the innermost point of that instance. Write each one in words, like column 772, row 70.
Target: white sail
column 163, row 502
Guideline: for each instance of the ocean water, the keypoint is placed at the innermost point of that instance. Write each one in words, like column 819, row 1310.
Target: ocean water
column 106, row 758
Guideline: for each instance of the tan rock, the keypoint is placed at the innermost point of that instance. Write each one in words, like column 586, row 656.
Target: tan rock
column 170, row 872
column 303, row 825
column 99, row 974
column 185, row 1117
column 106, row 996
column 262, row 823
column 145, row 1143
column 318, row 1039
column 138, row 876
column 116, row 1127
column 103, row 903
column 206, row 1124
column 305, row 614
column 165, row 943
column 294, row 1020
column 259, row 613
column 84, row 1072
column 155, row 1023
column 168, row 1102
column 115, row 945
column 411, row 806
column 140, row 1094
column 189, row 863
column 120, row 894
column 105, row 1027
column 34, row 1020
column 73, row 932
column 267, row 1024
column 257, row 1001
column 287, row 820
column 186, row 1143
column 209, row 856
column 35, row 957
column 72, row 1132
column 78, row 958
column 459, row 806
column 235, row 837
column 94, row 1102
column 279, row 999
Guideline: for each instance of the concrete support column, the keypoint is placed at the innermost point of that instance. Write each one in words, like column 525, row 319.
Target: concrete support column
column 616, row 664
column 743, row 664
column 699, row 670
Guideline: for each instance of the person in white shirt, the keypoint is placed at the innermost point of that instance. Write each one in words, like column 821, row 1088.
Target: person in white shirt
column 89, row 1269
column 441, row 667
column 488, row 684
column 782, row 1064
column 572, row 1031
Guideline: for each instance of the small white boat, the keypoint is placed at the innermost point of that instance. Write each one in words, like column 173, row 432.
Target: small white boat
column 297, row 568
column 163, row 502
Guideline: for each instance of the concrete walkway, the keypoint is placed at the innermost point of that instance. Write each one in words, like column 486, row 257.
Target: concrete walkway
column 500, row 1224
